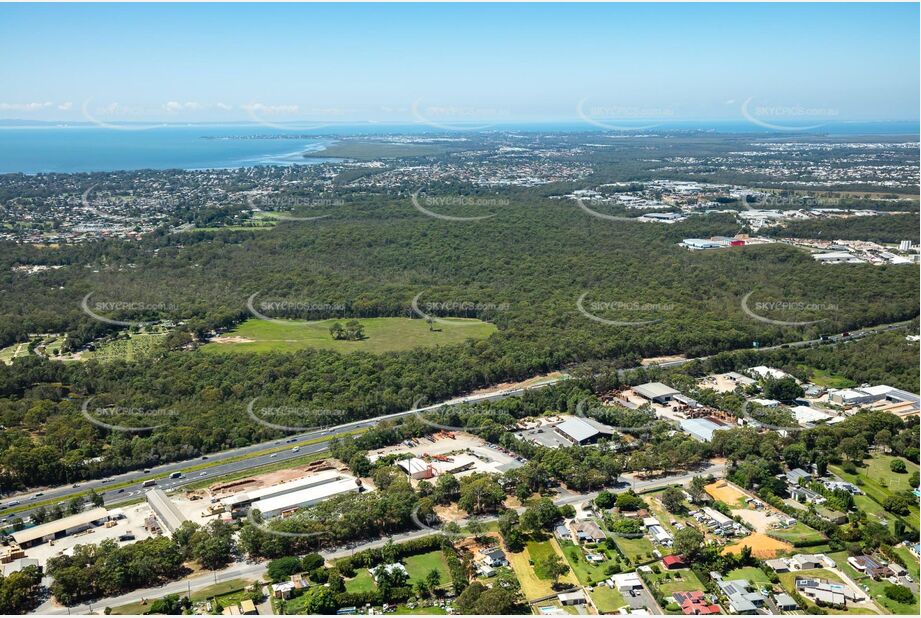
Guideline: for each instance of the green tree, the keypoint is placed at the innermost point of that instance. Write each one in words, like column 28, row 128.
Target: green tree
column 688, row 543
column 552, row 566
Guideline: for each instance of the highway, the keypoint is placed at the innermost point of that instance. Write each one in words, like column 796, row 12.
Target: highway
column 257, row 570
column 256, row 455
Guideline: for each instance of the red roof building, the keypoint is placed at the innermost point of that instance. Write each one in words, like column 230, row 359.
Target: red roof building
column 694, row 603
column 673, row 562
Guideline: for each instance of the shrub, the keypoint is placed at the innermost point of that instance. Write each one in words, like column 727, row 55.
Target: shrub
column 900, row 594
column 897, row 466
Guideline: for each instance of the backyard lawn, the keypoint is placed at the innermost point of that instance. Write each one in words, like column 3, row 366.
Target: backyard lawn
column 678, row 580
column 362, row 582
column 638, row 551
column 607, row 600
column 878, row 481
column 753, row 574
column 420, row 565
column 585, row 571
column 532, row 586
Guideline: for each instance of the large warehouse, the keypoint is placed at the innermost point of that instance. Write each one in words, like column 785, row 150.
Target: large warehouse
column 287, row 503
column 60, row 528
column 167, row 512
column 656, row 392
column 243, row 499
column 582, row 431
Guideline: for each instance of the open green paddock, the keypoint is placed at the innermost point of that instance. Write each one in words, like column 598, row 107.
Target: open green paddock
column 381, row 335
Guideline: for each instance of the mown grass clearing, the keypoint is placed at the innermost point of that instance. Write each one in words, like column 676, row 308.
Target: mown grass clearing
column 381, row 335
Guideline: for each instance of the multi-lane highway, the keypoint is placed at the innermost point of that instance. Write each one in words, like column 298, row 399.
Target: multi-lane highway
column 256, row 455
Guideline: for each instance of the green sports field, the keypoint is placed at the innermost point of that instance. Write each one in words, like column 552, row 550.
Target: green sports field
column 381, row 335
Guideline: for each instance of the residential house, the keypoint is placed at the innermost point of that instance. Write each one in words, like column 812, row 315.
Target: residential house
column 695, row 603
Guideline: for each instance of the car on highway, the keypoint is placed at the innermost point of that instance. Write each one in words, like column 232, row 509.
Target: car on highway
column 295, row 449
column 274, row 455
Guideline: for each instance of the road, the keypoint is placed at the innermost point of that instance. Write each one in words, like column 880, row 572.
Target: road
column 248, row 570
column 264, row 453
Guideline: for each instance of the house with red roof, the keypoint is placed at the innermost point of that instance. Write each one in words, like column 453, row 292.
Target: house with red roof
column 674, row 562
column 695, row 603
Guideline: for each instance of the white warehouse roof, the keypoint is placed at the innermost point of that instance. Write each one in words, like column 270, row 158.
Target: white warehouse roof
column 305, row 497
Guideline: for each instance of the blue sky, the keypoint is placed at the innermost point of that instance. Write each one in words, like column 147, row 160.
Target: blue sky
column 459, row 63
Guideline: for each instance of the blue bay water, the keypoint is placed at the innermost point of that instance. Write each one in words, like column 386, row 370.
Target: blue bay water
column 81, row 148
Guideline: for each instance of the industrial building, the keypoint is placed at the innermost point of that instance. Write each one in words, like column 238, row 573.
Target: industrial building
column 698, row 244
column 416, row 468
column 166, row 511
column 287, row 503
column 244, row 499
column 60, row 528
column 701, row 428
column 582, row 431
column 656, row 392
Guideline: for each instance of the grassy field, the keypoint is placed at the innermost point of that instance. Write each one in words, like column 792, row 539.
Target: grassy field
column 362, row 582
column 231, row 591
column 752, row 574
column 798, row 533
column 586, row 572
column 607, row 600
column 133, row 347
column 678, row 580
column 402, row 610
column 16, row 350
column 826, row 379
column 638, row 551
column 420, row 565
column 877, row 589
column 532, row 586
column 879, row 482
column 381, row 335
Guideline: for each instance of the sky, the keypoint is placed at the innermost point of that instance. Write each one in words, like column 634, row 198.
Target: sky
column 459, row 63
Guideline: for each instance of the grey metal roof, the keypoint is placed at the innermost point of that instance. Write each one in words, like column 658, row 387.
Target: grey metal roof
column 577, row 429
column 651, row 390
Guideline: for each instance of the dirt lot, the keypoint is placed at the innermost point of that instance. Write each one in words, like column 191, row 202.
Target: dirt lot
column 762, row 546
column 724, row 492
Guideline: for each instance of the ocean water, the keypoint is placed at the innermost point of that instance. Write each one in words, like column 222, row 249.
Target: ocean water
column 89, row 148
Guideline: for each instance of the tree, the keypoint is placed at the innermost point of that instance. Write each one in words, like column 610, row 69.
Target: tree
column 480, row 494
column 281, row 569
column 883, row 438
column 629, row 501
column 673, row 500
column 541, row 516
column 784, row 389
column 898, row 504
column 854, row 448
column 552, row 566
column 696, row 488
column 447, row 488
column 605, row 499
column 433, row 579
column 319, row 600
column 688, row 543
column 337, row 331
column 897, row 466
column 476, row 527
column 900, row 594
